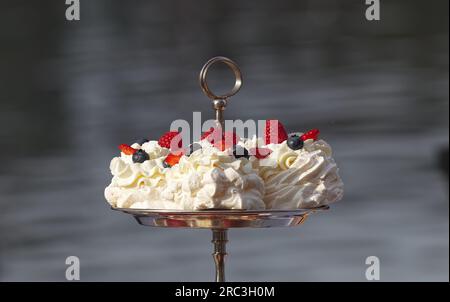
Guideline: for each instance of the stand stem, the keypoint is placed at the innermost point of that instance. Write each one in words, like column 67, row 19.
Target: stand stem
column 220, row 252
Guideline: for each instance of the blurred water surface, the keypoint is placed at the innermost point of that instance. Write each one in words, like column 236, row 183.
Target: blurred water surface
column 71, row 92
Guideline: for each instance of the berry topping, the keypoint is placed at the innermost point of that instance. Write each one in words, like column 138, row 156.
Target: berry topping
column 294, row 142
column 224, row 144
column 260, row 153
column 140, row 156
column 193, row 147
column 221, row 142
column 206, row 134
column 142, row 141
column 166, row 140
column 275, row 132
column 172, row 159
column 311, row 134
column 239, row 152
column 128, row 150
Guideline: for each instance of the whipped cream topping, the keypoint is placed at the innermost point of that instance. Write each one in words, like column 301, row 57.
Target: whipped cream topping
column 137, row 184
column 209, row 178
column 302, row 178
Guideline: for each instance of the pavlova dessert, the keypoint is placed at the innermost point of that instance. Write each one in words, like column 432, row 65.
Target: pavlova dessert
column 224, row 171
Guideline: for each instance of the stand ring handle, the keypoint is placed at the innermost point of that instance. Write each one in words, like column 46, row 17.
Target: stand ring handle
column 237, row 73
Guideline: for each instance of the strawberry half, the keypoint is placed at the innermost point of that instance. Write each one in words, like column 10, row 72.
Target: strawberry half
column 275, row 132
column 166, row 140
column 128, row 150
column 221, row 142
column 311, row 134
column 206, row 134
column 172, row 159
column 260, row 153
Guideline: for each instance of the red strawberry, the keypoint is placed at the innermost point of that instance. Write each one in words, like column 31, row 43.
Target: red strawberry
column 260, row 153
column 221, row 142
column 228, row 140
column 172, row 159
column 166, row 140
column 222, row 145
column 311, row 134
column 127, row 149
column 206, row 134
column 275, row 132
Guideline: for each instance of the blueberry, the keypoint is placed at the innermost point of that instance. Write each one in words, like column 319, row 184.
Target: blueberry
column 140, row 156
column 295, row 142
column 142, row 141
column 165, row 165
column 239, row 152
column 194, row 147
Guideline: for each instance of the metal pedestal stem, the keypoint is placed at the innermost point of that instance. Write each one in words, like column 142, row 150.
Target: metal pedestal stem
column 219, row 239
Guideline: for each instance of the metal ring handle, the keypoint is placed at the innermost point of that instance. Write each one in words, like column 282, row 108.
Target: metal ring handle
column 237, row 73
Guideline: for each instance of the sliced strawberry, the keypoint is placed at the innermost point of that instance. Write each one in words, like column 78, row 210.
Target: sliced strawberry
column 260, row 153
column 311, row 134
column 166, row 140
column 231, row 137
column 172, row 159
column 221, row 142
column 128, row 150
column 228, row 140
column 206, row 134
column 275, row 132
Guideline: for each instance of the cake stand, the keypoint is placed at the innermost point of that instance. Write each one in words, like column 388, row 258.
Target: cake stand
column 220, row 220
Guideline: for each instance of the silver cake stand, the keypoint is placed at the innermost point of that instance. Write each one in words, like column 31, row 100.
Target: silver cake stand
column 219, row 221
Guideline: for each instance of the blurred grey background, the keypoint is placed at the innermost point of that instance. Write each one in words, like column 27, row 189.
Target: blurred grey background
column 70, row 92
